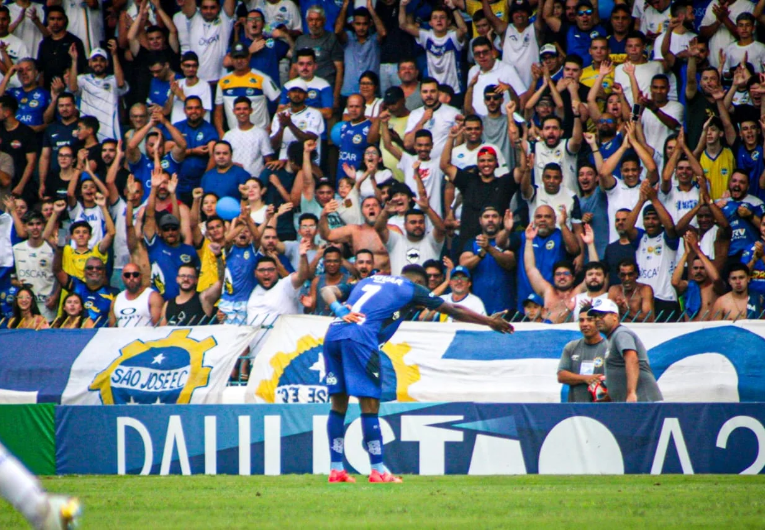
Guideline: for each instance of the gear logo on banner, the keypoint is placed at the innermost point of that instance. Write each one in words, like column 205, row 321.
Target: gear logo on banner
column 299, row 376
column 165, row 371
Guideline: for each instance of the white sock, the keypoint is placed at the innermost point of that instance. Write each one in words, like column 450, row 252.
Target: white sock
column 19, row 487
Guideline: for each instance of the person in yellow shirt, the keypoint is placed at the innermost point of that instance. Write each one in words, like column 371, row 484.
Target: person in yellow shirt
column 600, row 52
column 716, row 160
column 215, row 232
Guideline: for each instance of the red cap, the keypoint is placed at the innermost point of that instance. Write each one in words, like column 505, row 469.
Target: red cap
column 487, row 150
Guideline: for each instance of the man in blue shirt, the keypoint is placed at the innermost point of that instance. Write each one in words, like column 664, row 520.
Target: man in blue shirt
column 200, row 138
column 33, row 100
column 162, row 76
column 744, row 212
column 353, row 135
column 224, row 180
column 142, row 165
column 166, row 250
column 352, row 346
column 266, row 50
column 320, row 94
column 750, row 155
column 581, row 34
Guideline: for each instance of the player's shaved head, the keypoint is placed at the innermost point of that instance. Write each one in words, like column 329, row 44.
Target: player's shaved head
column 416, row 274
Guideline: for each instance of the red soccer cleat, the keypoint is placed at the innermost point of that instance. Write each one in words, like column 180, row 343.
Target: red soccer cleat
column 340, row 476
column 376, row 476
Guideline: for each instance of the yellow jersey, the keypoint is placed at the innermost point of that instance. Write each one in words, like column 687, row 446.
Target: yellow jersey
column 73, row 262
column 208, row 274
column 717, row 171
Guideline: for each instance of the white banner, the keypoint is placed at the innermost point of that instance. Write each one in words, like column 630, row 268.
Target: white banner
column 156, row 365
column 441, row 362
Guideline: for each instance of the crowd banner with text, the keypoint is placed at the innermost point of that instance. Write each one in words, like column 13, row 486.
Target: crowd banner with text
column 425, row 439
column 120, row 366
column 440, row 362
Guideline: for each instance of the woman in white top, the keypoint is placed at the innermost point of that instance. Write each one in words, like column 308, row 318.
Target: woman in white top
column 206, row 207
column 372, row 173
column 254, row 190
column 369, row 85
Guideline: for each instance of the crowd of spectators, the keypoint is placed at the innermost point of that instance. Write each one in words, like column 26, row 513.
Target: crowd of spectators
column 181, row 162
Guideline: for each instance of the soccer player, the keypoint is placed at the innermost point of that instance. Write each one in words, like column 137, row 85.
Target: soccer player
column 43, row 511
column 352, row 353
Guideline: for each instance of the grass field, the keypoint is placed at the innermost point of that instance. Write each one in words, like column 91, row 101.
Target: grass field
column 228, row 502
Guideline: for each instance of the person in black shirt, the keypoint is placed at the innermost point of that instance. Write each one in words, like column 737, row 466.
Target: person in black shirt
column 58, row 134
column 191, row 307
column 142, row 51
column 19, row 141
column 87, row 134
column 396, row 44
column 108, row 152
column 53, row 54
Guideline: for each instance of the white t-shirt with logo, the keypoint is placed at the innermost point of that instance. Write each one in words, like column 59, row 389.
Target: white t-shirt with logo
column 520, row 50
column 95, row 218
column 655, row 131
column 722, row 37
column 657, row 263
column 34, row 266
column 307, row 120
column 249, row 148
column 432, row 178
column 653, row 21
column 443, row 119
column 679, row 202
column 404, row 252
column 678, row 44
column 558, row 154
column 201, row 90
column 99, row 97
column 442, row 55
column 501, row 71
column 209, row 40
column 620, row 197
column 284, row 12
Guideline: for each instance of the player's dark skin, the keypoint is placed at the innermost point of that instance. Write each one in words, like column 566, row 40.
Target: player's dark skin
column 372, row 405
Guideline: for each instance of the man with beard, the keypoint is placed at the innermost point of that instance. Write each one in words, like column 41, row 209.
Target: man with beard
column 364, row 264
column 200, row 138
column 555, row 149
column 490, row 71
column 274, row 296
column 594, row 207
column 635, row 300
column 749, row 151
column 583, row 361
column 594, row 287
column 676, row 39
column 628, row 373
column 138, row 305
column 319, row 90
column 609, row 140
column 192, row 307
column 142, row 165
column 432, row 116
column 699, row 90
column 466, row 154
column 490, row 265
column 703, row 286
column 297, row 123
column 58, row 134
column 96, row 293
column 739, row 303
column 332, row 275
column 621, row 24
column 99, row 92
column 559, row 296
column 656, row 251
column 479, row 193
column 744, row 213
column 416, row 246
column 166, row 252
column 269, row 247
column 362, row 236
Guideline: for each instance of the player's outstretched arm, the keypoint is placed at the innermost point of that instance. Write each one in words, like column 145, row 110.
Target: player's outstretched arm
column 463, row 314
column 332, row 296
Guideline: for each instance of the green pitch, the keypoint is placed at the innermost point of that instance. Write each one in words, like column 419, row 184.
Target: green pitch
column 150, row 503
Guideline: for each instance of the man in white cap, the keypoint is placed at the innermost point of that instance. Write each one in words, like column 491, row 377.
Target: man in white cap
column 100, row 93
column 628, row 373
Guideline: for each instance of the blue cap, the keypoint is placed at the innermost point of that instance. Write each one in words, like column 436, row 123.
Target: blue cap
column 459, row 269
column 534, row 297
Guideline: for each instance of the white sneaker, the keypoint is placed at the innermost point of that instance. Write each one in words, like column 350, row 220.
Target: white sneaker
column 63, row 513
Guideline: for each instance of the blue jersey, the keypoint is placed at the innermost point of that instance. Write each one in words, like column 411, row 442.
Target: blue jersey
column 743, row 232
column 194, row 166
column 753, row 164
column 578, row 42
column 492, row 283
column 239, row 280
column 267, row 59
column 757, row 277
column 320, row 95
column 97, row 303
column 382, row 300
column 159, row 91
column 32, row 105
column 547, row 251
column 165, row 262
column 353, row 143
column 141, row 170
column 225, row 184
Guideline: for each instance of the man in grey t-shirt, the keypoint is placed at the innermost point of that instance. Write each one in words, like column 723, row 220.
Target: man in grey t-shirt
column 582, row 361
column 628, row 373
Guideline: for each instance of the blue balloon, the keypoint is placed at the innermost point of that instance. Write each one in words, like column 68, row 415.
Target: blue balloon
column 227, row 208
column 335, row 133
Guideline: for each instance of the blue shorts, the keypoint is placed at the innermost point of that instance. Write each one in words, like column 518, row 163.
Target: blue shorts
column 353, row 369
